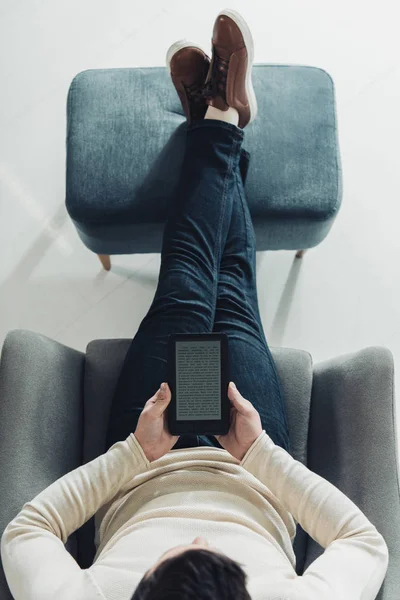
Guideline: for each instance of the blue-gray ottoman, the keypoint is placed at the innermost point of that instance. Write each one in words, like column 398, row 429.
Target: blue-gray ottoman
column 125, row 144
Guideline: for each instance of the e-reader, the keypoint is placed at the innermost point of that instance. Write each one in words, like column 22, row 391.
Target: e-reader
column 198, row 372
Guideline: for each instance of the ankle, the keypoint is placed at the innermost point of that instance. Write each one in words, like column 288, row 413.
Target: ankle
column 229, row 116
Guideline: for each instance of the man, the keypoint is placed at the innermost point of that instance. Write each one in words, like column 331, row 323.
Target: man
column 199, row 517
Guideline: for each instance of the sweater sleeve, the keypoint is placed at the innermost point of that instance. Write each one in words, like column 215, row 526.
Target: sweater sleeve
column 35, row 561
column 355, row 560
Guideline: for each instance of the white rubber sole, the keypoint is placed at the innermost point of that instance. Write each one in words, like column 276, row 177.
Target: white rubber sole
column 248, row 40
column 179, row 45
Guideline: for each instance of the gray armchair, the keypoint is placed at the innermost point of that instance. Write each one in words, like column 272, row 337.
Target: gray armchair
column 54, row 406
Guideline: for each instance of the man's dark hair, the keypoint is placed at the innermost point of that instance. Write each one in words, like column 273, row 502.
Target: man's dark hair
column 194, row 575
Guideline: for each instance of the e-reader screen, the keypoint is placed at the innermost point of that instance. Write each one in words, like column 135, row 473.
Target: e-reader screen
column 198, row 380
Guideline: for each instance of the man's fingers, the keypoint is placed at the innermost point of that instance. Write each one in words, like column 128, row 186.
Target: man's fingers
column 241, row 404
column 163, row 397
column 165, row 392
column 234, row 395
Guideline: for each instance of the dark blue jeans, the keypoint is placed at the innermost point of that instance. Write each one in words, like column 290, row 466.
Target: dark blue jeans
column 207, row 282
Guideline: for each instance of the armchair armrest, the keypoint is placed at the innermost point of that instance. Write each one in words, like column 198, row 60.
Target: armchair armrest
column 353, row 444
column 41, row 389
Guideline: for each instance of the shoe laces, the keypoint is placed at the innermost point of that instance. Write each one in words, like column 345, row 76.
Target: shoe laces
column 216, row 85
column 196, row 98
column 194, row 91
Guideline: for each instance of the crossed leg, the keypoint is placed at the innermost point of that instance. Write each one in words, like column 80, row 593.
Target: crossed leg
column 207, row 282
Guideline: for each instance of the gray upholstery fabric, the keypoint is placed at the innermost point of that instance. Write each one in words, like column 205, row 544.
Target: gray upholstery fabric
column 352, row 444
column 41, row 385
column 125, row 143
column 104, row 359
column 341, row 421
column 295, row 372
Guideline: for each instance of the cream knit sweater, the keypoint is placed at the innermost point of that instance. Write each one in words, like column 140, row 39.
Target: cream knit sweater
column 247, row 509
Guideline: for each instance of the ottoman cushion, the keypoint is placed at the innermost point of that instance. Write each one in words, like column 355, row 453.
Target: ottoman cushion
column 125, row 143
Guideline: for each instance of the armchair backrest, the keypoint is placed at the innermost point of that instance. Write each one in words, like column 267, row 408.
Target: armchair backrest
column 104, row 359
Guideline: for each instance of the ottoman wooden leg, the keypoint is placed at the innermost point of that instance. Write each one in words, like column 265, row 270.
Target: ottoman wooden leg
column 300, row 253
column 105, row 261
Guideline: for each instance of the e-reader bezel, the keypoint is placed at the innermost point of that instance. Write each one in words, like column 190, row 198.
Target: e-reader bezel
column 199, row 427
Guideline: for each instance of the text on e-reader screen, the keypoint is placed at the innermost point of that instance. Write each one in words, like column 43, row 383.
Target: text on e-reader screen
column 198, row 380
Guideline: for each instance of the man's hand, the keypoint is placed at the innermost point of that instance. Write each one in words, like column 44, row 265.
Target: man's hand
column 245, row 425
column 151, row 430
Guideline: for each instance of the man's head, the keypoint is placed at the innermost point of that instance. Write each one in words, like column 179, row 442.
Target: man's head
column 193, row 571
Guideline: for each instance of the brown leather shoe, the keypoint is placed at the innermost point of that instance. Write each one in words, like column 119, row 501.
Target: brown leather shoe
column 229, row 77
column 188, row 65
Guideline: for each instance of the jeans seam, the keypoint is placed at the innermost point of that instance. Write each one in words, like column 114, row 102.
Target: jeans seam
column 217, row 260
column 259, row 324
column 246, row 241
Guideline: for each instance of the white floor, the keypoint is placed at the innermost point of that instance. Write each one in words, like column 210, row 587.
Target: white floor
column 347, row 292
